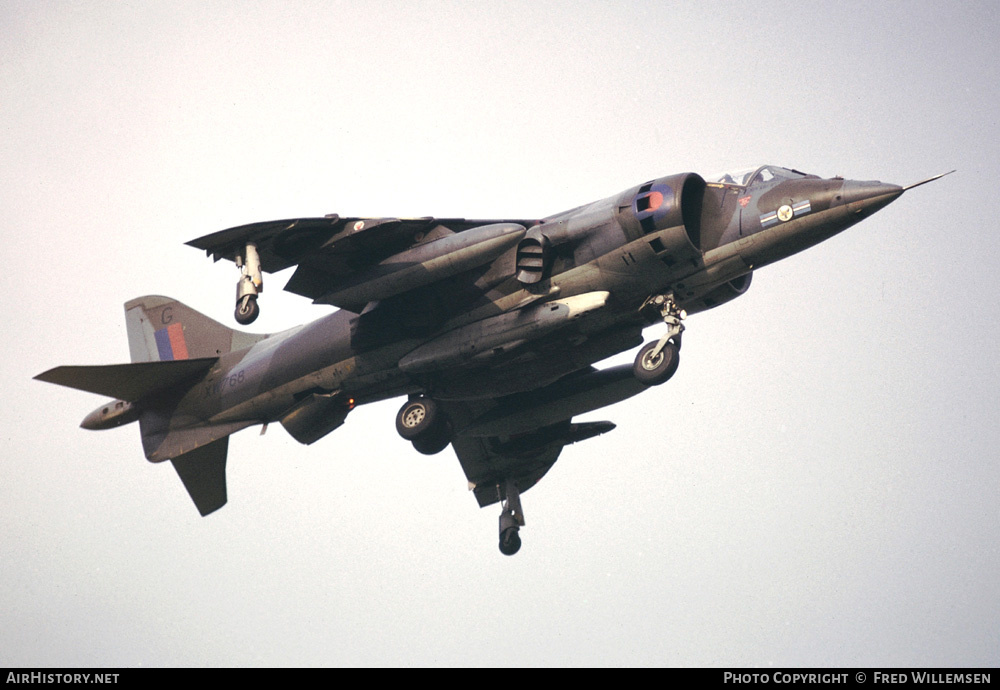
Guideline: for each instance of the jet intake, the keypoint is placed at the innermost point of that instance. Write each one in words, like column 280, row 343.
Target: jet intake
column 666, row 203
column 480, row 341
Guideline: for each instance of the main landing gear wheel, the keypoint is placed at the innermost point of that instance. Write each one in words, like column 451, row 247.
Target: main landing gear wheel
column 652, row 368
column 247, row 310
column 417, row 418
column 435, row 442
column 421, row 421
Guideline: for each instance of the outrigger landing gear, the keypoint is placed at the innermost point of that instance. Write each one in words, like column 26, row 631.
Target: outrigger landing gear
column 249, row 286
column 658, row 361
column 512, row 517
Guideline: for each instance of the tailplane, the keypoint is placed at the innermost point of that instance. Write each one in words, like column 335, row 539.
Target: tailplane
column 171, row 346
column 128, row 382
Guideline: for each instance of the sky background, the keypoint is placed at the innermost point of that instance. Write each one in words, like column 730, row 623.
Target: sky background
column 816, row 486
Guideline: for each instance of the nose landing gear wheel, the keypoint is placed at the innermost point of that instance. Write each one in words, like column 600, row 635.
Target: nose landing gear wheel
column 657, row 361
column 653, row 368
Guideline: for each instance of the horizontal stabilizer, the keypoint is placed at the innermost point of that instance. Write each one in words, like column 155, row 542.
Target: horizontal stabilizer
column 203, row 472
column 129, row 382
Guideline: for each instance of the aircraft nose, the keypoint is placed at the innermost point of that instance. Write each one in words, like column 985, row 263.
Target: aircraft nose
column 865, row 198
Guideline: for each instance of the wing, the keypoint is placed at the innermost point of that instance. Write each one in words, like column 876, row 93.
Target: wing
column 524, row 458
column 519, row 437
column 333, row 252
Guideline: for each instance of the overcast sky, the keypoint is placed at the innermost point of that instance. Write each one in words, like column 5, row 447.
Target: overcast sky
column 816, row 486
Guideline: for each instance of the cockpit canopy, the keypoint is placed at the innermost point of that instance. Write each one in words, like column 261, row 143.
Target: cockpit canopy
column 751, row 176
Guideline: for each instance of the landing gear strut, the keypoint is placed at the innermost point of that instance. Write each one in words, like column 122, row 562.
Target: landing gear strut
column 512, row 517
column 657, row 361
column 249, row 286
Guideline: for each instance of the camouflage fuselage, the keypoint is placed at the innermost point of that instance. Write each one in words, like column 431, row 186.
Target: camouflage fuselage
column 675, row 235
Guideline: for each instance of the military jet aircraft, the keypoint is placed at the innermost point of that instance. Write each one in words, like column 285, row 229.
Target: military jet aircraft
column 489, row 328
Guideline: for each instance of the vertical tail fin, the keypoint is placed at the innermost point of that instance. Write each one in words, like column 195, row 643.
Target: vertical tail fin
column 161, row 329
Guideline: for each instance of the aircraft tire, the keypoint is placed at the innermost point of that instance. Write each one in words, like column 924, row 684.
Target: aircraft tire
column 418, row 418
column 435, row 442
column 247, row 315
column 652, row 371
column 510, row 541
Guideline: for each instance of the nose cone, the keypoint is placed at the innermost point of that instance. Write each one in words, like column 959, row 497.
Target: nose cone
column 865, row 198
